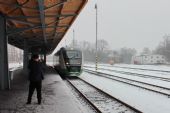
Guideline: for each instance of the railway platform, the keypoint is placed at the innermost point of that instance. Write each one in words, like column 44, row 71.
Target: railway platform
column 56, row 96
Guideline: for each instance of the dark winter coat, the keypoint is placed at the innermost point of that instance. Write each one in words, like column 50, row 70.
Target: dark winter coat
column 35, row 71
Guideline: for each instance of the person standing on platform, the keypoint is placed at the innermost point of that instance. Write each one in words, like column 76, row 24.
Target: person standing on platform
column 35, row 78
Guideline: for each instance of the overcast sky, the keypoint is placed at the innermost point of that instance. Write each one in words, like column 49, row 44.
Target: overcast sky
column 123, row 23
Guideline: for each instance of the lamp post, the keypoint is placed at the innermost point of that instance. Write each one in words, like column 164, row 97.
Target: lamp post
column 96, row 36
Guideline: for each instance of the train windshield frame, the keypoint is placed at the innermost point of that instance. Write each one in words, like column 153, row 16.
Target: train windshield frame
column 72, row 54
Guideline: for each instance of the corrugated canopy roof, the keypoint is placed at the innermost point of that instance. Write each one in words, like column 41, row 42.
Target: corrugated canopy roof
column 41, row 24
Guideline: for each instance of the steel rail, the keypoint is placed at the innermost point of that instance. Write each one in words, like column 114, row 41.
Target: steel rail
column 110, row 96
column 136, row 74
column 140, row 69
column 95, row 107
column 102, row 75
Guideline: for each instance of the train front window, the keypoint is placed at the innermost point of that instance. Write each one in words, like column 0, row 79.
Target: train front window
column 73, row 54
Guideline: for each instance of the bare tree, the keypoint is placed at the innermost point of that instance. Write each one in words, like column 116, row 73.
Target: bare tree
column 146, row 51
column 102, row 45
column 126, row 55
column 164, row 47
column 89, row 50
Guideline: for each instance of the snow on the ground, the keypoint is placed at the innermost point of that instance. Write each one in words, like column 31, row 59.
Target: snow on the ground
column 50, row 63
column 146, row 72
column 152, row 67
column 142, row 79
column 15, row 65
column 144, row 100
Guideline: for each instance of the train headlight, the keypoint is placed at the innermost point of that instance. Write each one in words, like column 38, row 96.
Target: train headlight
column 67, row 63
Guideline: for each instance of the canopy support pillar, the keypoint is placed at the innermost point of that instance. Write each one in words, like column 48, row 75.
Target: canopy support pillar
column 25, row 59
column 4, row 76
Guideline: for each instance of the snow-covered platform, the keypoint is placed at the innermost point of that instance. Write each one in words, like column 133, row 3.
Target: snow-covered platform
column 57, row 97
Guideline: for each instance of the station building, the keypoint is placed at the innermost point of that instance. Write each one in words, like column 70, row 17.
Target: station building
column 149, row 59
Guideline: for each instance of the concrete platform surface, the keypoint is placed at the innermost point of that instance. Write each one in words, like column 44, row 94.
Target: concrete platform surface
column 56, row 96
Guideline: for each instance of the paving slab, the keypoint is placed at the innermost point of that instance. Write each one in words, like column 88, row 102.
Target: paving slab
column 56, row 96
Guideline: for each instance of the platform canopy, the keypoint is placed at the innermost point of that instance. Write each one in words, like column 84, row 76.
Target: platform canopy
column 39, row 24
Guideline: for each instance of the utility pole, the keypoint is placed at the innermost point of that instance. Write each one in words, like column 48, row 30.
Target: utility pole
column 65, row 43
column 73, row 38
column 96, row 36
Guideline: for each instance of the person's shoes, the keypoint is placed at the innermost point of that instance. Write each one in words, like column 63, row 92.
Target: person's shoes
column 39, row 102
column 28, row 103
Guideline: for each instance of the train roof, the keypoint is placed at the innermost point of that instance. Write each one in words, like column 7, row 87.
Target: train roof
column 66, row 49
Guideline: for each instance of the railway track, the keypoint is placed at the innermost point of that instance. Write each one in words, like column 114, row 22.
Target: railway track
column 154, row 88
column 139, row 69
column 136, row 74
column 100, row 100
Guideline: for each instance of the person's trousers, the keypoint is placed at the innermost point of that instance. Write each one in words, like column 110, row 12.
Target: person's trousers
column 32, row 87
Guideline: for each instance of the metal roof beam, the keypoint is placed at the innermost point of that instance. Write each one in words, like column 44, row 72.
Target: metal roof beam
column 38, row 16
column 36, row 35
column 57, row 18
column 18, row 5
column 56, row 21
column 23, row 22
column 49, row 35
column 57, row 4
column 19, row 30
column 57, row 26
column 42, row 18
column 36, row 41
column 32, row 23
